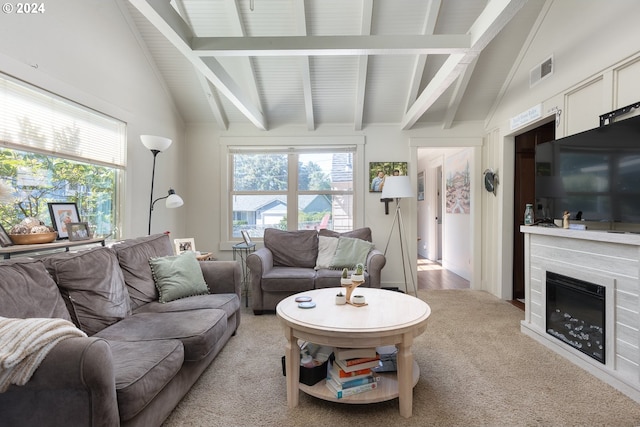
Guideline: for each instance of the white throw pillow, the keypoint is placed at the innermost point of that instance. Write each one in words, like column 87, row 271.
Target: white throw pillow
column 326, row 249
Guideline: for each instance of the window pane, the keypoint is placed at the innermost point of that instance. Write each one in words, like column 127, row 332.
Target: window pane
column 260, row 172
column 255, row 213
column 37, row 179
column 325, row 211
column 325, row 171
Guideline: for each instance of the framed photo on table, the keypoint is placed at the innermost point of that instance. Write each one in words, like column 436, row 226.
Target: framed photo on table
column 78, row 231
column 246, row 237
column 5, row 240
column 184, row 245
column 61, row 215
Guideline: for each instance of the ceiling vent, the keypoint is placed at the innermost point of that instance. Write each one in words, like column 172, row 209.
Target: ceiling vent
column 541, row 71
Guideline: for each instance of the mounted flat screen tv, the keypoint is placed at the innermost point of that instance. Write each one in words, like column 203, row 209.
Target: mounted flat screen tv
column 595, row 175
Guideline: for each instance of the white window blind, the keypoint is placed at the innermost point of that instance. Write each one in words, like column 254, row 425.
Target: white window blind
column 33, row 119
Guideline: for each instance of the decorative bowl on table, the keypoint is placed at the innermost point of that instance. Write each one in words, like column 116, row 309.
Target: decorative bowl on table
column 33, row 238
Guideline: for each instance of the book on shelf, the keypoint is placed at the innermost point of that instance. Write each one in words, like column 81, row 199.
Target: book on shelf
column 352, row 353
column 356, row 367
column 341, row 373
column 359, row 360
column 343, row 385
column 340, row 393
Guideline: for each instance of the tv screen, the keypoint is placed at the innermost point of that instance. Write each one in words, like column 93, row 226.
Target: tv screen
column 595, row 175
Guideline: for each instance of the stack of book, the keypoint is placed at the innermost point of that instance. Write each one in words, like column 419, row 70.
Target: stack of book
column 351, row 371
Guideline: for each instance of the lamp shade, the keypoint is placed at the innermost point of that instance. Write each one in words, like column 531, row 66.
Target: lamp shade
column 173, row 200
column 397, row 187
column 155, row 143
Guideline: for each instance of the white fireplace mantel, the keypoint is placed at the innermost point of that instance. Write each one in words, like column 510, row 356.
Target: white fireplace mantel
column 608, row 259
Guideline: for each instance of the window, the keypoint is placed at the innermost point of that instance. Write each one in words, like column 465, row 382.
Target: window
column 57, row 151
column 291, row 188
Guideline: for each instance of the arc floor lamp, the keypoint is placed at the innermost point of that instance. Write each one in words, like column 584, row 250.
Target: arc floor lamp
column 399, row 187
column 158, row 144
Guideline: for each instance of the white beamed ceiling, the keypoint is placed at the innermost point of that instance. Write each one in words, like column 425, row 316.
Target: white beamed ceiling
column 318, row 62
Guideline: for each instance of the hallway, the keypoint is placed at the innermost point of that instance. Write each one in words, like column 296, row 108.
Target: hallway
column 431, row 275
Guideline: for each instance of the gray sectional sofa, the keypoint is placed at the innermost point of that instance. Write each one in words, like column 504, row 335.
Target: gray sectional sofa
column 140, row 356
column 289, row 263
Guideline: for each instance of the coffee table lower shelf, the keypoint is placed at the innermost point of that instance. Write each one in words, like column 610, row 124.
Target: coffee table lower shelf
column 387, row 389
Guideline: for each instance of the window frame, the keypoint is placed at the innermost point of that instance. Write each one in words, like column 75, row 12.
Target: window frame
column 228, row 144
column 92, row 150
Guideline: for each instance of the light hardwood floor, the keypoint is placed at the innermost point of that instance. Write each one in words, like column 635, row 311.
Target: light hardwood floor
column 431, row 275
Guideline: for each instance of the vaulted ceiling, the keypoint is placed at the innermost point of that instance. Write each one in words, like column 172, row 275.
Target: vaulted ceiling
column 275, row 63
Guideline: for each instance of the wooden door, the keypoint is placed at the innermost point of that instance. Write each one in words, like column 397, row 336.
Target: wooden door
column 524, row 192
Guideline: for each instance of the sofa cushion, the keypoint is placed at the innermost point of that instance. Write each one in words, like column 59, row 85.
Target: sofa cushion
column 230, row 303
column 178, row 276
column 142, row 370
column 94, row 284
column 288, row 279
column 326, row 249
column 350, row 252
column 133, row 256
column 27, row 290
column 199, row 330
column 363, row 233
column 292, row 248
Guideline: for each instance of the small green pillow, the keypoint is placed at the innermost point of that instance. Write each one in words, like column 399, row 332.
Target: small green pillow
column 350, row 251
column 178, row 276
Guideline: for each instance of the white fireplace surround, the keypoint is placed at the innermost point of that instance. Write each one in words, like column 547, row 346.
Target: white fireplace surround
column 611, row 260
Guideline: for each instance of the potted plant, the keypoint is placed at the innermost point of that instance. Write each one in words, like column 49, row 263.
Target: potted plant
column 345, row 280
column 358, row 274
column 341, row 298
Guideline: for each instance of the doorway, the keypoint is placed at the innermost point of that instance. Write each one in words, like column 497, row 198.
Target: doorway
column 524, row 191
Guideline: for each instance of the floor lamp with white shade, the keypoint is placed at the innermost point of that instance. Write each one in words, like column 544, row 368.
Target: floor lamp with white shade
column 399, row 187
column 158, row 144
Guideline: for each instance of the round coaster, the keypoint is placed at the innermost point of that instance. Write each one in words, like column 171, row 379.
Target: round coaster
column 307, row 304
column 303, row 298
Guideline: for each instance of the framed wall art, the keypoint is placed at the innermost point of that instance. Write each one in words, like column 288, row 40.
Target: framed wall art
column 420, row 185
column 78, row 231
column 378, row 171
column 61, row 215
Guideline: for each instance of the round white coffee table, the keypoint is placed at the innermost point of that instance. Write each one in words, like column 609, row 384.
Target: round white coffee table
column 389, row 318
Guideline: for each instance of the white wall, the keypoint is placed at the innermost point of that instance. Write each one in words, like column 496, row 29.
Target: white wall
column 206, row 183
column 84, row 50
column 596, row 71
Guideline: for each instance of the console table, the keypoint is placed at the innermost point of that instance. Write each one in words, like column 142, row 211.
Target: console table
column 58, row 244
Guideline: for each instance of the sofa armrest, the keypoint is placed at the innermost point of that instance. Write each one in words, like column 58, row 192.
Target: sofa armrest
column 74, row 385
column 259, row 263
column 222, row 277
column 375, row 262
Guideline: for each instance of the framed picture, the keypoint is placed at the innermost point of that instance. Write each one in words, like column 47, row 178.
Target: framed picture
column 5, row 240
column 420, row 185
column 78, row 231
column 61, row 215
column 184, row 245
column 246, row 237
column 378, row 171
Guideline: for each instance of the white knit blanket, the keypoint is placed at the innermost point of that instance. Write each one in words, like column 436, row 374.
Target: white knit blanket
column 24, row 343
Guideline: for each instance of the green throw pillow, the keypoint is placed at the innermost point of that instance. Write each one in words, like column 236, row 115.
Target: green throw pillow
column 178, row 276
column 350, row 251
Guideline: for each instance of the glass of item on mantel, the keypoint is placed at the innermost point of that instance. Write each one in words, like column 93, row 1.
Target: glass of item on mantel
column 528, row 214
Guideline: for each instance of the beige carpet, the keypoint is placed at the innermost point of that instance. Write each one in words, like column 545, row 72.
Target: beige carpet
column 477, row 369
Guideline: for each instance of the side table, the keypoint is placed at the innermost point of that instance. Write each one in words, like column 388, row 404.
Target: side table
column 242, row 250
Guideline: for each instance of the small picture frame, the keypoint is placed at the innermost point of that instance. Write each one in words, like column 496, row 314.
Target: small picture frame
column 61, row 215
column 184, row 245
column 420, row 185
column 378, row 171
column 78, row 231
column 246, row 237
column 5, row 240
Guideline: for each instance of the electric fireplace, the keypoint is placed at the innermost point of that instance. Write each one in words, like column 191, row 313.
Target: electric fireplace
column 576, row 314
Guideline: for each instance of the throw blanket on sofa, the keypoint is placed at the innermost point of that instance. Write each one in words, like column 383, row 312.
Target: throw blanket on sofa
column 24, row 343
